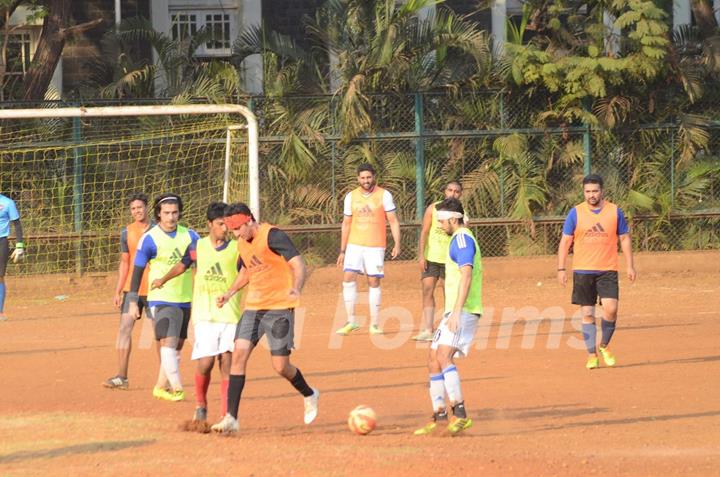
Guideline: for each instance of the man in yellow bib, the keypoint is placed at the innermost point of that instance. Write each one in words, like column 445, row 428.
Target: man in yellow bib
column 594, row 227
column 217, row 264
column 362, row 244
column 162, row 248
column 432, row 252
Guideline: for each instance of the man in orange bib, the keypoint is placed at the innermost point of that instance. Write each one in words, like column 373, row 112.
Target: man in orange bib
column 594, row 227
column 274, row 273
column 362, row 244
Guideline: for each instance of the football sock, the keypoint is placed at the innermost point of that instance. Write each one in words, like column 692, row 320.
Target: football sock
column 437, row 391
column 350, row 297
column 459, row 410
column 299, row 383
column 169, row 362
column 235, row 388
column 589, row 331
column 608, row 328
column 374, row 297
column 202, row 382
column 224, row 396
column 452, row 383
column 2, row 297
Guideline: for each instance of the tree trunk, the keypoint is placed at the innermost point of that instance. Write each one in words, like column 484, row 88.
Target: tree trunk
column 704, row 17
column 50, row 47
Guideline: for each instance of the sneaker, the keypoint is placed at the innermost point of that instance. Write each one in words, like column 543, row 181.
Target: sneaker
column 311, row 406
column 176, row 395
column 345, row 330
column 161, row 393
column 228, row 425
column 607, row 356
column 430, row 427
column 459, row 424
column 200, row 414
column 375, row 330
column 592, row 362
column 423, row 336
column 3, row 317
column 116, row 382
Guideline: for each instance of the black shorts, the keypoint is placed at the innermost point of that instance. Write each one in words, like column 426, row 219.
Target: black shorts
column 170, row 321
column 4, row 255
column 278, row 325
column 587, row 288
column 142, row 305
column 434, row 270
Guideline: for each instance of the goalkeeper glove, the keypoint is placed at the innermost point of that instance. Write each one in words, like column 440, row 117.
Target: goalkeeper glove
column 18, row 253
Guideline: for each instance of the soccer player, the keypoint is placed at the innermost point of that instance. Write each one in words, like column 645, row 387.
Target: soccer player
column 129, row 238
column 274, row 273
column 217, row 264
column 162, row 248
column 594, row 227
column 432, row 253
column 362, row 244
column 463, row 308
column 8, row 213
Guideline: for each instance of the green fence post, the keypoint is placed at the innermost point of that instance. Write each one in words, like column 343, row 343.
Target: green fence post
column 419, row 158
column 77, row 194
column 587, row 150
column 501, row 179
column 672, row 169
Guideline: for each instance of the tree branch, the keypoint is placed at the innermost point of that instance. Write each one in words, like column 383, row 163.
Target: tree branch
column 81, row 28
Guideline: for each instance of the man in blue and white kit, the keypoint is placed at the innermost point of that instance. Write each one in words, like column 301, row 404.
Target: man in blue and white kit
column 8, row 213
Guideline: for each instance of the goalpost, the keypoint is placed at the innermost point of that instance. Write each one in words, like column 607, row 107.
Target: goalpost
column 70, row 171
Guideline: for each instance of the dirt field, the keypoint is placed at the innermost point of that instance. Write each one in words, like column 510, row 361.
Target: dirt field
column 537, row 410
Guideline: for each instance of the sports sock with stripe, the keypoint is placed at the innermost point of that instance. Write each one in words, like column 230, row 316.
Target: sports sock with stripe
column 350, row 297
column 2, row 297
column 169, row 362
column 374, row 298
column 437, row 392
column 589, row 331
column 299, row 383
column 608, row 328
column 235, row 389
column 202, row 382
column 452, row 384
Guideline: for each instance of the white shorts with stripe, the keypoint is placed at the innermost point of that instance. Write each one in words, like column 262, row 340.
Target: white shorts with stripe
column 212, row 339
column 367, row 260
column 460, row 340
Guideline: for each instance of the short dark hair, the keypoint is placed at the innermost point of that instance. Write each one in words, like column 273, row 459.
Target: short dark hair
column 457, row 183
column 366, row 167
column 593, row 179
column 239, row 208
column 451, row 205
column 167, row 198
column 216, row 210
column 137, row 196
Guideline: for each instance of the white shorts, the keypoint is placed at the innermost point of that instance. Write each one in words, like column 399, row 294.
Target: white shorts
column 367, row 260
column 462, row 339
column 212, row 339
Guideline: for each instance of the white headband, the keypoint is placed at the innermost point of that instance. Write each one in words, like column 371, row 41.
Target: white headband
column 172, row 197
column 448, row 214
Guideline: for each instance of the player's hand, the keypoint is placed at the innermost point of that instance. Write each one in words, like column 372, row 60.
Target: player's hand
column 157, row 283
column 562, row 277
column 294, row 294
column 423, row 264
column 222, row 299
column 631, row 274
column 133, row 310
column 453, row 321
column 18, row 254
column 395, row 251
column 340, row 259
column 117, row 300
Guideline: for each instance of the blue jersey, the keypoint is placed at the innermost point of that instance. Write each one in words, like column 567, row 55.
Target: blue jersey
column 8, row 213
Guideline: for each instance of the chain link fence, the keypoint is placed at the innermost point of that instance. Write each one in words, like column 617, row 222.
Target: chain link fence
column 519, row 178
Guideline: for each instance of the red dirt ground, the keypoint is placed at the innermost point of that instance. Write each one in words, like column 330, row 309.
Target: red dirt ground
column 537, row 410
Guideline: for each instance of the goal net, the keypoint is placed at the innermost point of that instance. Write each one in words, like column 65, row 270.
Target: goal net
column 70, row 171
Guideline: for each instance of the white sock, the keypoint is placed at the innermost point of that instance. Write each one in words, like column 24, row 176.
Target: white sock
column 452, row 384
column 437, row 392
column 374, row 296
column 350, row 297
column 169, row 362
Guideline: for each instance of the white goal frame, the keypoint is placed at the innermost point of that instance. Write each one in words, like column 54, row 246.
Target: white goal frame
column 170, row 110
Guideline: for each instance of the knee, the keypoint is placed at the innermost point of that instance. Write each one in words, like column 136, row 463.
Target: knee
column 444, row 361
column 283, row 368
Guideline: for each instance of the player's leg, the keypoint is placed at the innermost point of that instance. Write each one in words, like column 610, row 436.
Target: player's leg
column 374, row 265
column 169, row 321
column 247, row 334
column 428, row 282
column 123, row 345
column 608, row 291
column 278, row 326
column 4, row 255
column 352, row 265
column 224, row 363
column 437, row 394
column 203, row 373
column 584, row 294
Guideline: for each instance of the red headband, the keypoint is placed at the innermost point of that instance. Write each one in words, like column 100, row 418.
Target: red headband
column 237, row 220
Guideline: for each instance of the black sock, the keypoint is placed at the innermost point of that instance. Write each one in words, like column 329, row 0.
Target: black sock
column 235, row 388
column 299, row 383
column 459, row 410
column 608, row 328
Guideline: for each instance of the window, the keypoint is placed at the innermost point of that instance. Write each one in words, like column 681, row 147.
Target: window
column 219, row 25
column 19, row 55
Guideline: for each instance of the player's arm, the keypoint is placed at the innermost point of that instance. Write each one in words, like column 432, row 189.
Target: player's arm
column 188, row 259
column 424, row 232
column 395, row 232
column 297, row 265
column 345, row 230
column 564, row 247
column 626, row 245
column 19, row 251
column 123, row 268
column 280, row 243
column 463, row 290
column 240, row 281
column 145, row 252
